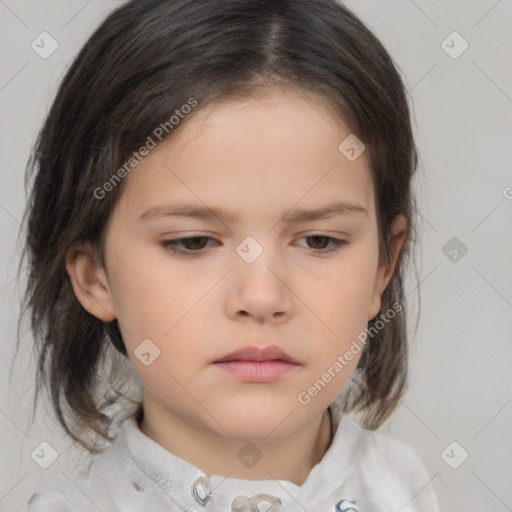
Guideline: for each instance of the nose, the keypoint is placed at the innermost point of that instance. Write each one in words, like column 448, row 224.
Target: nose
column 261, row 287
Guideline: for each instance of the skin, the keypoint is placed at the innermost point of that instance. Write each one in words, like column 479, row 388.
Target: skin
column 259, row 158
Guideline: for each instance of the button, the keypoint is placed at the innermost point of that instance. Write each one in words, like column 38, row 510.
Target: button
column 245, row 504
column 347, row 504
column 201, row 490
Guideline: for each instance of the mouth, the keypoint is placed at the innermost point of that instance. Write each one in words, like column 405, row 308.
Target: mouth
column 253, row 353
column 254, row 364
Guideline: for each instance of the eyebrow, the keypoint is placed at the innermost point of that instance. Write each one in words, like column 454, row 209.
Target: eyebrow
column 292, row 217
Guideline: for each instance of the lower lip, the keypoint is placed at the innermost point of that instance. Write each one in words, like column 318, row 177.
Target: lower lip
column 256, row 371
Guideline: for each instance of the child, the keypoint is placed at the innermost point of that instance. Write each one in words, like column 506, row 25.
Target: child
column 222, row 203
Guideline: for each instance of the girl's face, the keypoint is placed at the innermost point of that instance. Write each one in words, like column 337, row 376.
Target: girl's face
column 255, row 272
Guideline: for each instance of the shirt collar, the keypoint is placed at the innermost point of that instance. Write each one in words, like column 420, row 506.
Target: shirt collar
column 192, row 489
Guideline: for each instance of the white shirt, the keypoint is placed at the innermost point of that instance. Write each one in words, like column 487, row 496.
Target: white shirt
column 362, row 470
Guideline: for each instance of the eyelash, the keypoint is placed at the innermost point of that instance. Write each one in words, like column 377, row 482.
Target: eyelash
column 171, row 245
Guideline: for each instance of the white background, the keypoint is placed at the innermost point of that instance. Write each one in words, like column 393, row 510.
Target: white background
column 461, row 383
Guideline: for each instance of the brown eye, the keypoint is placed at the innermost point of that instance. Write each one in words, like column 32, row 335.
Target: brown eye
column 319, row 241
column 188, row 245
column 323, row 244
column 195, row 243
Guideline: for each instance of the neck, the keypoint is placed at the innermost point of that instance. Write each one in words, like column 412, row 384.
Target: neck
column 291, row 458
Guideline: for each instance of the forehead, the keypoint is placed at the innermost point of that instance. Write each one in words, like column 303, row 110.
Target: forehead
column 259, row 153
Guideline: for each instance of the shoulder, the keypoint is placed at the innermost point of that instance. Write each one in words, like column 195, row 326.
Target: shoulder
column 71, row 491
column 109, row 481
column 392, row 453
column 48, row 500
column 391, row 469
column 83, row 487
column 384, row 451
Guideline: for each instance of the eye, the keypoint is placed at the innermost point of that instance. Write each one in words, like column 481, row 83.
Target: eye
column 188, row 245
column 193, row 245
column 317, row 240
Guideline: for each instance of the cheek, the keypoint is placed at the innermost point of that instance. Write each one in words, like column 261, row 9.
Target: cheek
column 169, row 304
column 345, row 294
column 151, row 295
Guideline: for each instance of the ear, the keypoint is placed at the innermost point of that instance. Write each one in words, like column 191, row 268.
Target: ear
column 89, row 281
column 385, row 269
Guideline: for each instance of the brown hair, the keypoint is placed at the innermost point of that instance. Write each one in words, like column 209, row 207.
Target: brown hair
column 144, row 62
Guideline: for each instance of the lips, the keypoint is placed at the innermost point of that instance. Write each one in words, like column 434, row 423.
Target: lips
column 253, row 353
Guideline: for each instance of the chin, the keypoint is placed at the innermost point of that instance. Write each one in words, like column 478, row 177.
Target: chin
column 259, row 426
